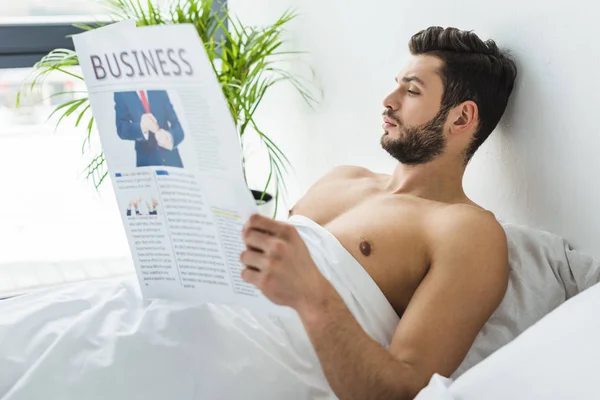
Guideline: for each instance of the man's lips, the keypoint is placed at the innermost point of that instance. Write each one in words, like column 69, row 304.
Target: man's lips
column 389, row 121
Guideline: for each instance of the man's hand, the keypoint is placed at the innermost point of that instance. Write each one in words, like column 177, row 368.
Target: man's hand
column 164, row 139
column 148, row 124
column 278, row 263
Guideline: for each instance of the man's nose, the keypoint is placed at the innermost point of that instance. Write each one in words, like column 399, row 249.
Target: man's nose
column 392, row 101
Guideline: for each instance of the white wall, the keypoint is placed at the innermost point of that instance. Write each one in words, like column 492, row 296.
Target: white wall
column 540, row 168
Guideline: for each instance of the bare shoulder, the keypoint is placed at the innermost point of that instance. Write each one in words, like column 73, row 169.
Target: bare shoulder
column 346, row 172
column 332, row 194
column 340, row 175
column 464, row 220
column 471, row 233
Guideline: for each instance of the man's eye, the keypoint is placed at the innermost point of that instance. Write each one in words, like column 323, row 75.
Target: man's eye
column 412, row 92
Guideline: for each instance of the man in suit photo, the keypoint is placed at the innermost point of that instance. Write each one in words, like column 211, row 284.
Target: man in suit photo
column 148, row 118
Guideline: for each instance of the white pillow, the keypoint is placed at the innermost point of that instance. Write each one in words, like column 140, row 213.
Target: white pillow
column 557, row 358
column 544, row 272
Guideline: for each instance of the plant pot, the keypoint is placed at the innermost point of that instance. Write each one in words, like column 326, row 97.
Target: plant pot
column 266, row 205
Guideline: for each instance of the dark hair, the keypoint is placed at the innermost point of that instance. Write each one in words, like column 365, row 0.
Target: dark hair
column 473, row 70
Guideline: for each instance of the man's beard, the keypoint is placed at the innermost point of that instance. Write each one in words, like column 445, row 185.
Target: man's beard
column 417, row 144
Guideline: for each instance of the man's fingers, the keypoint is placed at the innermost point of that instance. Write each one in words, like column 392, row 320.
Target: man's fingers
column 251, row 276
column 269, row 225
column 253, row 259
column 257, row 239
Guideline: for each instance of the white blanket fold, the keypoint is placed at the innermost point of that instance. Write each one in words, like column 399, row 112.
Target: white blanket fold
column 100, row 340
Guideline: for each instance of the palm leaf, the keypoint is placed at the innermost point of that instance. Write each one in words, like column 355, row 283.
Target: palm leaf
column 64, row 105
column 81, row 114
column 96, row 170
column 89, row 133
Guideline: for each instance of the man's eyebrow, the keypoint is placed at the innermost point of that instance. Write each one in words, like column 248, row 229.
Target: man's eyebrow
column 412, row 78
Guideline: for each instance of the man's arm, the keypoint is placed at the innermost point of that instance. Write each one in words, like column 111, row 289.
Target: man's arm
column 466, row 281
column 126, row 128
column 355, row 365
column 175, row 128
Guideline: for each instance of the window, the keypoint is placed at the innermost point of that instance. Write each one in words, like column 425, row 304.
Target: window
column 44, row 8
column 29, row 29
column 55, row 227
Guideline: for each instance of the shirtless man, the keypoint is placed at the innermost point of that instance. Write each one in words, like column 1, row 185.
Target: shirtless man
column 440, row 259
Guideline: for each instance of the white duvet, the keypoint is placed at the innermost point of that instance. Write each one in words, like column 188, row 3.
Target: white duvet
column 99, row 340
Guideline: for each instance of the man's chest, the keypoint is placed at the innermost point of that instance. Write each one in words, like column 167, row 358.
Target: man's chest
column 386, row 237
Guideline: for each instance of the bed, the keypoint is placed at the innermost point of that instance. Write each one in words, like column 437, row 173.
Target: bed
column 99, row 339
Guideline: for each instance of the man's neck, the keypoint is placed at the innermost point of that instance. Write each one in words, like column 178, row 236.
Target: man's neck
column 439, row 180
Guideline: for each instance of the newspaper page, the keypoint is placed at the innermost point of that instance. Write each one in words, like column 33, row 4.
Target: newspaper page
column 174, row 159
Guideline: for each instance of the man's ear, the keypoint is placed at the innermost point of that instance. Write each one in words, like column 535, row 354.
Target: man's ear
column 464, row 117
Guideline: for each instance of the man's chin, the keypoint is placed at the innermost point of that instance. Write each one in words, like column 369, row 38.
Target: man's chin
column 389, row 137
column 393, row 132
column 387, row 141
column 384, row 139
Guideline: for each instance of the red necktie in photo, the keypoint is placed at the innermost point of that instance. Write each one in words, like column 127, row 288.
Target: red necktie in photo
column 145, row 101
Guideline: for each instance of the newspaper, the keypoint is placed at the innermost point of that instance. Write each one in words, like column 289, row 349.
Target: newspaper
column 174, row 159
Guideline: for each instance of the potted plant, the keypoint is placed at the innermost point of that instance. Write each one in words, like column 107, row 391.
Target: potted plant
column 246, row 60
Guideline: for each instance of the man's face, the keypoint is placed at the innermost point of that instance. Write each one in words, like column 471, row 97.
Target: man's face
column 414, row 124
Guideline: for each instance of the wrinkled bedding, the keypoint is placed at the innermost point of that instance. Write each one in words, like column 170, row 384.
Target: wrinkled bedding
column 100, row 340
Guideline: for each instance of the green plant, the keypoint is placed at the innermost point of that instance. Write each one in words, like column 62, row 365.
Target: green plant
column 246, row 60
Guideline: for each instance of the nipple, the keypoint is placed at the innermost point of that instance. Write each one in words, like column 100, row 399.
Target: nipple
column 365, row 247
